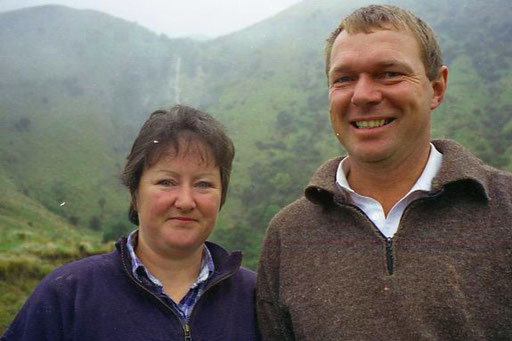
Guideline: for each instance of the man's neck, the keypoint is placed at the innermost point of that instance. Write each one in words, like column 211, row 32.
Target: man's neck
column 387, row 181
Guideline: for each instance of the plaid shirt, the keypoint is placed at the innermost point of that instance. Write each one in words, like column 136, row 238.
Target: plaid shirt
column 185, row 306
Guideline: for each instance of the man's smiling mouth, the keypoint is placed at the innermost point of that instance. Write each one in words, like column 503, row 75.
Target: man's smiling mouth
column 372, row 123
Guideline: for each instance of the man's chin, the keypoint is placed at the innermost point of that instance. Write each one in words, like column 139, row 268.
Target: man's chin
column 370, row 155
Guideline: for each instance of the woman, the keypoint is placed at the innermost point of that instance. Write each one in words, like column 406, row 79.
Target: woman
column 165, row 281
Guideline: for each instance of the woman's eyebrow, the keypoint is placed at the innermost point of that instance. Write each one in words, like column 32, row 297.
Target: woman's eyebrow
column 171, row 172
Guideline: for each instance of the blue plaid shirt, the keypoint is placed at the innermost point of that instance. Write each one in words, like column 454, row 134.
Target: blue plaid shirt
column 185, row 306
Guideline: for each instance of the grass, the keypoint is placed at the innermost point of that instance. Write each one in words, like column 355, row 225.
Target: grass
column 34, row 242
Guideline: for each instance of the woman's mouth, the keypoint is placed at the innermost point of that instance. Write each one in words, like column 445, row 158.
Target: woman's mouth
column 182, row 218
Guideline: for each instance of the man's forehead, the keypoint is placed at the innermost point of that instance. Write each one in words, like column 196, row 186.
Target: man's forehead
column 381, row 48
column 367, row 40
column 374, row 29
column 351, row 29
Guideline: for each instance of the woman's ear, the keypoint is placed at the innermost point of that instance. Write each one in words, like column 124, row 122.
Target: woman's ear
column 134, row 201
column 439, row 87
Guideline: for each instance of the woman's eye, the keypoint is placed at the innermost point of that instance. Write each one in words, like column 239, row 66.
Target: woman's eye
column 204, row 184
column 165, row 182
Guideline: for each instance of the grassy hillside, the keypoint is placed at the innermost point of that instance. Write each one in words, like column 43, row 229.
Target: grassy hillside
column 75, row 85
column 33, row 242
column 272, row 92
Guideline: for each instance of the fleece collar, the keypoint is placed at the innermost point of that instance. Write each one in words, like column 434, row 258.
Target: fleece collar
column 459, row 166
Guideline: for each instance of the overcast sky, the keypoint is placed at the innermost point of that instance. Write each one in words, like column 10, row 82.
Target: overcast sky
column 176, row 18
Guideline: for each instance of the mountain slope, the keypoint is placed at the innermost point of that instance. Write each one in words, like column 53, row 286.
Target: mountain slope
column 270, row 86
column 75, row 85
column 70, row 108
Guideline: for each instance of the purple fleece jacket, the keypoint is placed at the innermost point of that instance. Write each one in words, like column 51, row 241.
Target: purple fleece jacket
column 97, row 298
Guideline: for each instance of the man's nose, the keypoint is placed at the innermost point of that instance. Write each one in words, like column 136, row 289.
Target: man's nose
column 185, row 198
column 366, row 92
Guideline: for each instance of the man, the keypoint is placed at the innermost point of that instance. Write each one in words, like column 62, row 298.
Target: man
column 404, row 238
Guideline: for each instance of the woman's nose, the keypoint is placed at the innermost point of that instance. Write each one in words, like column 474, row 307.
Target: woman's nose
column 185, row 198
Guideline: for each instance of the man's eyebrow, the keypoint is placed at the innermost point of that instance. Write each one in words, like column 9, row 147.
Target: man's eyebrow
column 340, row 68
column 381, row 64
column 394, row 63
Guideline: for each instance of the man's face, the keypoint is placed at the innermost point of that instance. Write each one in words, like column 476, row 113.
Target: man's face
column 380, row 96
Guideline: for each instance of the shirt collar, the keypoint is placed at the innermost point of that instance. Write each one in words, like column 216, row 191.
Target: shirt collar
column 207, row 265
column 424, row 182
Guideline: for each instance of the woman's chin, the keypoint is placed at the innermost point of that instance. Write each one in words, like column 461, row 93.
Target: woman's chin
column 183, row 245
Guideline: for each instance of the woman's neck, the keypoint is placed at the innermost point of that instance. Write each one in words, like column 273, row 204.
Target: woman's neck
column 177, row 272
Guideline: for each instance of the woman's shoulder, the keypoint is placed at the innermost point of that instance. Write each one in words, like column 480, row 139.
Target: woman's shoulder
column 86, row 269
column 247, row 274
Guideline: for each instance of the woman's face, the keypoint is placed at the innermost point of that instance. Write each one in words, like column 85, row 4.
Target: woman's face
column 178, row 200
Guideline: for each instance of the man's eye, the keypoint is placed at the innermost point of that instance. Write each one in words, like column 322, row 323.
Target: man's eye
column 344, row 79
column 391, row 74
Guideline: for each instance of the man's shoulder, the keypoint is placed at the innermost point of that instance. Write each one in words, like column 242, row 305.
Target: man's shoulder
column 499, row 184
column 325, row 175
column 499, row 175
column 461, row 170
column 317, row 195
column 460, row 163
column 296, row 216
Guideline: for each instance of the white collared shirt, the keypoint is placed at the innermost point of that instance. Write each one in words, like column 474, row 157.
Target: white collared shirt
column 373, row 209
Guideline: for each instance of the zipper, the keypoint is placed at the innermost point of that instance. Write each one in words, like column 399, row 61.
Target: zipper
column 186, row 326
column 390, row 262
column 186, row 329
column 389, row 255
column 388, row 240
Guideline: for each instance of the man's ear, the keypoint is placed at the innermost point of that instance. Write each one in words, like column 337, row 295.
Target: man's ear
column 439, row 87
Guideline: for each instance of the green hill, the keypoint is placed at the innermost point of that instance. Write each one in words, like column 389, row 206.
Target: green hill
column 75, row 86
column 272, row 92
column 33, row 242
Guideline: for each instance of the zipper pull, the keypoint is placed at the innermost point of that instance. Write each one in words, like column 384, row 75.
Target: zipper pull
column 389, row 254
column 186, row 329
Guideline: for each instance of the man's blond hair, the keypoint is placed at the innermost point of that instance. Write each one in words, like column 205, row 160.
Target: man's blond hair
column 385, row 17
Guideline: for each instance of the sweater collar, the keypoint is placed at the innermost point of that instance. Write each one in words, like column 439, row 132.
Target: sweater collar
column 206, row 270
column 459, row 166
column 226, row 263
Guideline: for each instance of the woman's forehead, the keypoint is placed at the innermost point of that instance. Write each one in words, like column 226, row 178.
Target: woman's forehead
column 184, row 148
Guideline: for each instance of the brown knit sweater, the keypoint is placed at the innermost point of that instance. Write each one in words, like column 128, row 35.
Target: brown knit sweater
column 326, row 273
